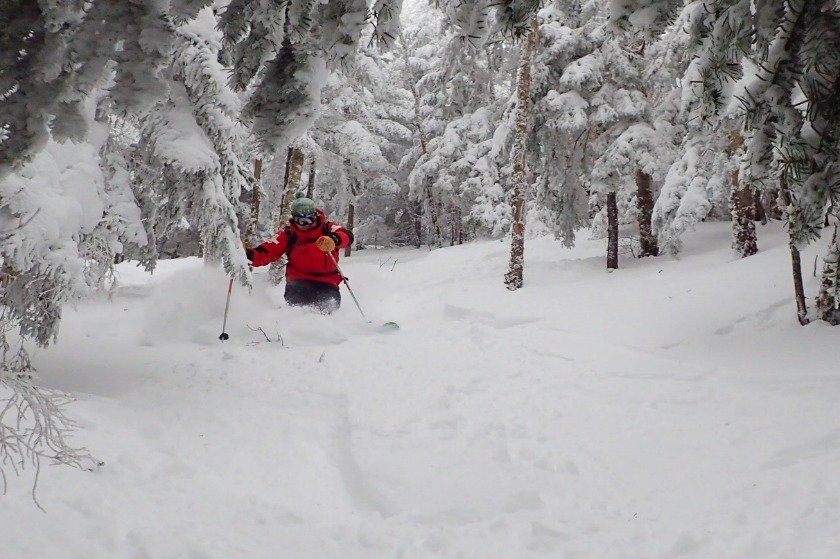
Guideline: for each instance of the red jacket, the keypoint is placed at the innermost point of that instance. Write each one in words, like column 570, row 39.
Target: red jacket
column 306, row 260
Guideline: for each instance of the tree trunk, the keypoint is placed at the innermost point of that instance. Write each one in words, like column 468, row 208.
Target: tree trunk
column 760, row 214
column 310, row 187
column 417, row 216
column 294, row 168
column 742, row 204
column 351, row 216
column 644, row 201
column 296, row 161
column 514, row 276
column 452, row 232
column 798, row 287
column 828, row 300
column 459, row 226
column 256, row 198
column 612, row 231
column 431, row 208
column 771, row 204
column 289, row 154
column 796, row 264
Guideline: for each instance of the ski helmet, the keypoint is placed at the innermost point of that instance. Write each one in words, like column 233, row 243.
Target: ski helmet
column 303, row 206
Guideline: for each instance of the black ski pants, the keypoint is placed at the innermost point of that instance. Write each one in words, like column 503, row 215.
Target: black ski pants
column 309, row 293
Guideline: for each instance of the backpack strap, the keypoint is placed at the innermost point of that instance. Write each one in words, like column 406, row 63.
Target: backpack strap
column 291, row 240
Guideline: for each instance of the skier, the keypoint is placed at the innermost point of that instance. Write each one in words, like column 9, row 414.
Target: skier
column 312, row 278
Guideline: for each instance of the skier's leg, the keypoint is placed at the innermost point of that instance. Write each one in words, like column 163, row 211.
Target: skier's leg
column 323, row 296
column 328, row 298
column 298, row 293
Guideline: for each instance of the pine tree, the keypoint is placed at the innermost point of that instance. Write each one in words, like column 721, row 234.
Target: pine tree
column 633, row 144
column 790, row 146
column 66, row 212
column 454, row 123
column 53, row 56
column 57, row 57
column 361, row 134
column 696, row 185
column 799, row 147
column 193, row 143
column 565, row 76
column 686, row 196
column 426, row 77
column 282, row 52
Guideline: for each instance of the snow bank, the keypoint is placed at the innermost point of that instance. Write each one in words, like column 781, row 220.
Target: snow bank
column 673, row 408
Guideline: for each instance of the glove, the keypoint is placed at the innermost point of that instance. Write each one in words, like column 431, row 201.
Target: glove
column 326, row 243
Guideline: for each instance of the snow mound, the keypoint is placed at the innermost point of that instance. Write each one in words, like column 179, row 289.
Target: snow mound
column 672, row 408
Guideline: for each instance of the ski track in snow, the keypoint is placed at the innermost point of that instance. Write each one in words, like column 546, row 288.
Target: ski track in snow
column 671, row 409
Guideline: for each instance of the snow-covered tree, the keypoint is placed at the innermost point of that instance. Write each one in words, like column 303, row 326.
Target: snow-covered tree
column 281, row 51
column 53, row 56
column 456, row 165
column 696, row 187
column 64, row 214
column 710, row 152
column 454, row 122
column 698, row 183
column 361, row 133
column 425, row 75
column 646, row 17
column 565, row 75
column 790, row 103
column 71, row 199
column 473, row 25
column 194, row 148
column 634, row 142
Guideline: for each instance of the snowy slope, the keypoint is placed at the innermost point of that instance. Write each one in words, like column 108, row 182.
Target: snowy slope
column 673, row 408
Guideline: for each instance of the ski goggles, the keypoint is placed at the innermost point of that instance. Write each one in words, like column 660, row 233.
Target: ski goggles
column 305, row 219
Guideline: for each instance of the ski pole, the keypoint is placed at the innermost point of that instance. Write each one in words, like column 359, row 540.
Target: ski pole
column 224, row 336
column 344, row 279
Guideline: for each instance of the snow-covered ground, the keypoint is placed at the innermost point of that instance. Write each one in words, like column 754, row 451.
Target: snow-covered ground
column 671, row 409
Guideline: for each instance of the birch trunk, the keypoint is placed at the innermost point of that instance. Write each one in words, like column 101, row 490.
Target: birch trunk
column 514, row 276
column 310, row 187
column 829, row 297
column 294, row 168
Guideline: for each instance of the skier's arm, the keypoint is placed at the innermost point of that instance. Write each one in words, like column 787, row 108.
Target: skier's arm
column 342, row 236
column 269, row 251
